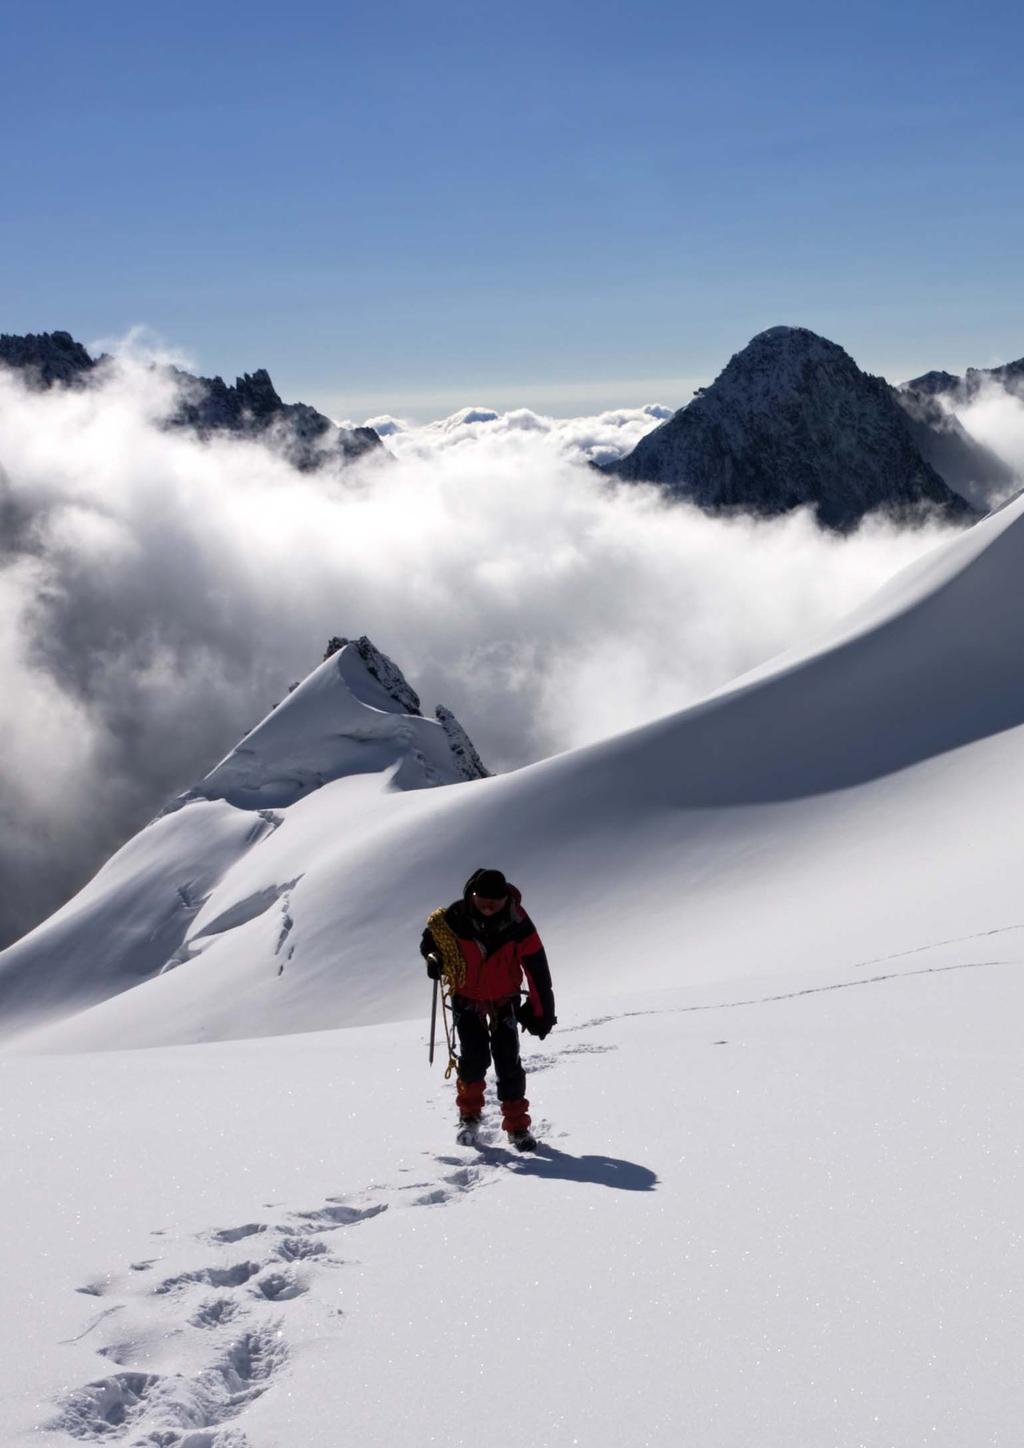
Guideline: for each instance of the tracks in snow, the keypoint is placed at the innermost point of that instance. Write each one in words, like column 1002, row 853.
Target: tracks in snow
column 197, row 1346
column 233, row 1347
column 202, row 1332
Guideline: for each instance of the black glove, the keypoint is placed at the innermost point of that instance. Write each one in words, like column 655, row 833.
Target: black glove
column 539, row 1027
column 434, row 967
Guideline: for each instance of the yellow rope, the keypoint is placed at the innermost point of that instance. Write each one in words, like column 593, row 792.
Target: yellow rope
column 451, row 956
column 453, row 968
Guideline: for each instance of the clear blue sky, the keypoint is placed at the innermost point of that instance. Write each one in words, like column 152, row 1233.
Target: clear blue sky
column 402, row 206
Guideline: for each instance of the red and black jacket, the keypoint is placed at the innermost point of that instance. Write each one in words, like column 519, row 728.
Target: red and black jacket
column 498, row 951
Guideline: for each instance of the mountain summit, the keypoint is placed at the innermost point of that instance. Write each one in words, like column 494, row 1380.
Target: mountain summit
column 352, row 729
column 792, row 421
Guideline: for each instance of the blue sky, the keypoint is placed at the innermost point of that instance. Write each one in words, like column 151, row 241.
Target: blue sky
column 406, row 207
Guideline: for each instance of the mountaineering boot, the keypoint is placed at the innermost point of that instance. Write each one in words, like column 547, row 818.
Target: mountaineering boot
column 523, row 1139
column 469, row 1130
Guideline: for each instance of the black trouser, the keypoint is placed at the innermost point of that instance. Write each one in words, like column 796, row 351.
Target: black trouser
column 489, row 1029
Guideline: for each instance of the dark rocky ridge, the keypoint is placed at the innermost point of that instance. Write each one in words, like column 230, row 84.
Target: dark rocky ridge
column 792, row 421
column 252, row 408
column 208, row 406
column 933, row 384
column 46, row 358
column 961, row 389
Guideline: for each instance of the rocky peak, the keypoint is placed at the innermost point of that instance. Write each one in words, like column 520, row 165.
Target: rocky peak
column 792, row 421
column 932, row 384
column 394, row 683
column 257, row 393
column 386, row 672
column 253, row 408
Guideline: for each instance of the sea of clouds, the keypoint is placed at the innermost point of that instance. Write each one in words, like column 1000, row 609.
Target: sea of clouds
column 158, row 594
column 599, row 439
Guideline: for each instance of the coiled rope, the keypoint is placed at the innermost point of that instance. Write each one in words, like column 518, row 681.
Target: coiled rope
column 453, row 969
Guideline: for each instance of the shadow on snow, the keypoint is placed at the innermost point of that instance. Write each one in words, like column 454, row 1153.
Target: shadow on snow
column 602, row 1171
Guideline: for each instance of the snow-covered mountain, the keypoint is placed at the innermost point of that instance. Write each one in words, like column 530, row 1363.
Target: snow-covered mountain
column 207, row 405
column 792, row 421
column 151, row 908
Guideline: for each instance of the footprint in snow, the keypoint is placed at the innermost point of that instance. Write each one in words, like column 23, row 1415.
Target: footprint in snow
column 215, row 1312
column 168, row 1410
column 233, row 1276
column 237, row 1234
column 335, row 1215
column 302, row 1249
column 280, row 1286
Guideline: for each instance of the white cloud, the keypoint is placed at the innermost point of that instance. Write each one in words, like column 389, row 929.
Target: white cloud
column 159, row 594
column 995, row 417
column 599, row 439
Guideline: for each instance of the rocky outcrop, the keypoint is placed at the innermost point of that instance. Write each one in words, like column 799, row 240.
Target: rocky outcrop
column 382, row 668
column 469, row 761
column 252, row 408
column 208, row 406
column 933, row 384
column 793, row 422
column 45, row 358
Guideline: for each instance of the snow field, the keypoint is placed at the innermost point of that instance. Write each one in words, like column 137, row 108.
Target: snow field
column 782, row 1222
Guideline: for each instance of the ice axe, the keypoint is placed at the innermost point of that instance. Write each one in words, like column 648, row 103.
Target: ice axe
column 433, row 1007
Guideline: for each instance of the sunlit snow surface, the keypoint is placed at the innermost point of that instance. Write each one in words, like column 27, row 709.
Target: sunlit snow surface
column 777, row 1200
column 790, row 1221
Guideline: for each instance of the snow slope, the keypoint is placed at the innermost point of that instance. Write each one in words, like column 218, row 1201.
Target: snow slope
column 776, row 1202
column 714, row 844
column 155, row 905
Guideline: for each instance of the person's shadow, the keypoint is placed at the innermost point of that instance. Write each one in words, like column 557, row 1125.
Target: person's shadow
column 547, row 1161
